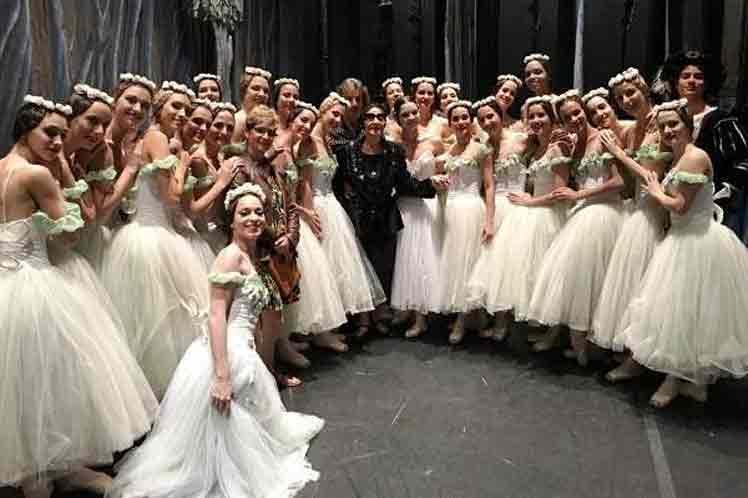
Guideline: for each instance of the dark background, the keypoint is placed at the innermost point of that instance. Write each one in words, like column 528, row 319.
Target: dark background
column 48, row 45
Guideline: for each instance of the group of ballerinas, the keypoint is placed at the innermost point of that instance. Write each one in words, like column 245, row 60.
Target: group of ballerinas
column 140, row 259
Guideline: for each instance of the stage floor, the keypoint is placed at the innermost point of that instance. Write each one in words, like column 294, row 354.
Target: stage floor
column 421, row 419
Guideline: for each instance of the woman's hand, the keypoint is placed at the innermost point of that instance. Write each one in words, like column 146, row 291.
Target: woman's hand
column 487, row 233
column 221, row 394
column 283, row 245
column 227, row 171
column 519, row 198
column 440, row 182
column 653, row 185
column 276, row 150
column 312, row 219
column 563, row 140
column 565, row 194
column 609, row 140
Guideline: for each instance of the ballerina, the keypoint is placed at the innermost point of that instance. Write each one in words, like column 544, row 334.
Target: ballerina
column 192, row 133
column 208, row 87
column 222, row 429
column 468, row 223
column 564, row 295
column 422, row 92
column 56, row 331
column 505, row 92
column 689, row 324
column 537, row 70
column 392, row 89
column 254, row 89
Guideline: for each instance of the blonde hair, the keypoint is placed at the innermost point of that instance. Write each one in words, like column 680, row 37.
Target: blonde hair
column 260, row 113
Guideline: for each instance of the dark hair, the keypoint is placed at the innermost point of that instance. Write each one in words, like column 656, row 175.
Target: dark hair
column 560, row 103
column 684, row 116
column 298, row 110
column 245, row 82
column 276, row 93
column 355, row 84
column 493, row 105
column 265, row 241
column 384, row 94
column 414, row 89
column 374, row 105
column 449, row 112
column 218, row 84
column 438, row 97
column 28, row 117
column 79, row 104
column 399, row 103
column 547, row 107
column 124, row 85
column 714, row 72
column 548, row 73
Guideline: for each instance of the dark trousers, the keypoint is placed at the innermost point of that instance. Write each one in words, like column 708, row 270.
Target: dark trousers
column 381, row 253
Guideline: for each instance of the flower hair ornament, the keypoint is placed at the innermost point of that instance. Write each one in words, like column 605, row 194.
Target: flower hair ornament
column 487, row 101
column 536, row 57
column 332, row 99
column 389, row 81
column 672, row 105
column 138, row 79
column 448, row 84
column 568, row 94
column 423, row 79
column 628, row 75
column 92, row 93
column 309, row 107
column 286, row 81
column 223, row 106
column 540, row 99
column 459, row 103
column 48, row 105
column 202, row 102
column 503, row 78
column 241, row 191
column 597, row 92
column 173, row 86
column 256, row 71
column 206, row 76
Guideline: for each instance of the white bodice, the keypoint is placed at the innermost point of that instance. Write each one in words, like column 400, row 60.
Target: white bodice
column 594, row 170
column 542, row 173
column 22, row 243
column 251, row 297
column 150, row 208
column 323, row 171
column 422, row 167
column 465, row 175
column 509, row 175
column 702, row 207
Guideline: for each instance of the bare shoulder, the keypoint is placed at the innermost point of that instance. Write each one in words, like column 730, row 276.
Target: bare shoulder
column 695, row 160
column 228, row 260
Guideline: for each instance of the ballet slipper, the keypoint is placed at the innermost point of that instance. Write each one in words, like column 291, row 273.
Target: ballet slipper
column 85, row 479
column 328, row 340
column 666, row 393
column 627, row 370
column 697, row 392
column 36, row 488
column 418, row 328
column 549, row 341
column 288, row 354
column 458, row 331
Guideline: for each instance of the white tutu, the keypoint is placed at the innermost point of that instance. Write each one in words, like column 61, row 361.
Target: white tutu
column 185, row 227
column 94, row 240
column 640, row 234
column 258, row 450
column 159, row 286
column 690, row 313
column 72, row 393
column 320, row 307
column 570, row 278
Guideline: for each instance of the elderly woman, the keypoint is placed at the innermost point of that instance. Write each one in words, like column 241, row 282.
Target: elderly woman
column 371, row 177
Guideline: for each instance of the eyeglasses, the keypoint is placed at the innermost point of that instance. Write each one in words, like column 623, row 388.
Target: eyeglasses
column 370, row 116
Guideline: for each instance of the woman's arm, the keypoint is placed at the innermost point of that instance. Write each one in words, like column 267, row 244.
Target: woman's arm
column 200, row 205
column 612, row 184
column 170, row 182
column 611, row 143
column 694, row 166
column 486, row 164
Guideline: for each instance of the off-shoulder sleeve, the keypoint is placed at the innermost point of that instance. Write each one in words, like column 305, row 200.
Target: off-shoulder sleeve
column 229, row 279
column 204, row 182
column 76, row 191
column 690, row 178
column 68, row 222
column 166, row 163
column 106, row 175
column 190, row 183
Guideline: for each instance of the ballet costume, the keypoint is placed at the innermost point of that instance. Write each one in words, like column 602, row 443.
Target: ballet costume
column 258, row 450
column 464, row 214
column 185, row 227
column 504, row 278
column 95, row 236
column 358, row 285
column 687, row 318
column 319, row 307
column 156, row 281
column 571, row 274
column 72, row 393
column 416, row 259
column 211, row 226
column 640, row 233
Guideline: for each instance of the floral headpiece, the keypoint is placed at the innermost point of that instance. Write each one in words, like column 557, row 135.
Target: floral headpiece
column 568, row 94
column 423, row 79
column 50, row 106
column 206, row 76
column 487, row 101
column 629, row 75
column 256, row 71
column 173, row 86
column 92, row 93
column 140, row 80
column 500, row 79
column 223, row 106
column 672, row 105
column 448, row 84
column 332, row 99
column 389, row 81
column 597, row 92
column 539, row 99
column 309, row 107
column 536, row 57
column 287, row 81
column 241, row 191
column 202, row 102
column 459, row 103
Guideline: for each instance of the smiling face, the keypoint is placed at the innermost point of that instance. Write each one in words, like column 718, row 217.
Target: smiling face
column 573, row 116
column 173, row 115
column 333, row 117
column 393, row 92
column 260, row 137
column 132, row 106
column 673, row 130
column 374, row 121
column 446, row 97
column 258, row 92
column 536, row 78
column 90, row 126
column 45, row 141
column 221, row 129
column 303, row 124
column 409, row 116
column 460, row 122
column 197, row 125
column 249, row 218
column 424, row 96
column 629, row 98
column 287, row 98
column 209, row 89
column 506, row 94
column 691, row 83
column 539, row 120
column 489, row 120
column 601, row 114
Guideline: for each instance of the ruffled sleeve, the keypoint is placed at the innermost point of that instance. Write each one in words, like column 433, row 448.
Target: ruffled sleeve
column 690, row 178
column 76, row 191
column 189, row 183
column 651, row 152
column 167, row 163
column 70, row 221
column 301, row 163
column 204, row 182
column 230, row 279
column 483, row 151
column 106, row 175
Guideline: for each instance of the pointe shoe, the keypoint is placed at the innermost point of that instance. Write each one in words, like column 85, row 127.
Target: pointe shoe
column 458, row 332
column 697, row 392
column 328, row 340
column 625, row 371
column 418, row 328
column 37, row 489
column 667, row 392
column 85, row 480
column 550, row 340
column 290, row 356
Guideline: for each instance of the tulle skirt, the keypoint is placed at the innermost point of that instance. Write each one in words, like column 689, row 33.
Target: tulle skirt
column 160, row 288
column 416, row 260
column 689, row 317
column 571, row 275
column 258, row 450
column 93, row 243
column 640, row 234
column 504, row 277
column 320, row 307
column 463, row 223
column 200, row 246
column 72, row 393
column 357, row 282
